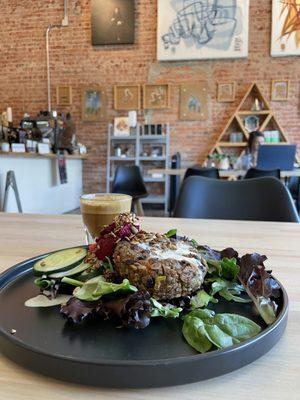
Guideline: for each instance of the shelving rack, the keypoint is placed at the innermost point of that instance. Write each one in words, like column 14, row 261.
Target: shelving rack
column 236, row 123
column 138, row 140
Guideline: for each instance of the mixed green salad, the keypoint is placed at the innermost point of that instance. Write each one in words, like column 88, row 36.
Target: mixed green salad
column 83, row 281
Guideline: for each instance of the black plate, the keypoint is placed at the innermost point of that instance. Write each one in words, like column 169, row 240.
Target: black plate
column 101, row 355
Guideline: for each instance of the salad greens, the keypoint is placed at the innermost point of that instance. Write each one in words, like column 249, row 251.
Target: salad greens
column 43, row 301
column 97, row 287
column 171, row 233
column 166, row 311
column 201, row 299
column 204, row 329
column 228, row 290
column 96, row 295
column 259, row 285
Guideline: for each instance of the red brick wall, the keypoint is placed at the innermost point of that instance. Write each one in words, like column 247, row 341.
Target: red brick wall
column 75, row 62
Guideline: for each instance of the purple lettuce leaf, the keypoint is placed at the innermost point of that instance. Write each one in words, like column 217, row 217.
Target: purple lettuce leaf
column 131, row 311
column 261, row 287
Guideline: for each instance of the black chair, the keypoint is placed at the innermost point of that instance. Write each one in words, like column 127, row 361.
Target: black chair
column 129, row 180
column 260, row 199
column 205, row 172
column 294, row 188
column 260, row 173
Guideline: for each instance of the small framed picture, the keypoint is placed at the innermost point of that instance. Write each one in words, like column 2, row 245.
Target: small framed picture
column 193, row 101
column 93, row 104
column 64, row 95
column 127, row 97
column 226, row 92
column 121, row 126
column 280, row 90
column 156, row 96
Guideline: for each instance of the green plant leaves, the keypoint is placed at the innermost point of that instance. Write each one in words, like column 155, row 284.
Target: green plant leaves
column 166, row 311
column 202, row 329
column 97, row 287
column 201, row 299
column 171, row 233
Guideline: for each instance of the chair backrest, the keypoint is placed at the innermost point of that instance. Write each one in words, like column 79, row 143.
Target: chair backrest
column 199, row 171
column 294, row 186
column 259, row 173
column 129, row 180
column 260, row 199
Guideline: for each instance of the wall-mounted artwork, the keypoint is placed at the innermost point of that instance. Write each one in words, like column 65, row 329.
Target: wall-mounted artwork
column 226, row 92
column 285, row 39
column 156, row 96
column 202, row 29
column 121, row 126
column 193, row 102
column 93, row 104
column 127, row 97
column 112, row 22
column 64, row 95
column 280, row 90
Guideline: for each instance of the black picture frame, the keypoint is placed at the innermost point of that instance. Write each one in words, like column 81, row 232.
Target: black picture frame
column 113, row 22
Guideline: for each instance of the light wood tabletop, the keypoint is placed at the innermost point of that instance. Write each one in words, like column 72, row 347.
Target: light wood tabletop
column 274, row 376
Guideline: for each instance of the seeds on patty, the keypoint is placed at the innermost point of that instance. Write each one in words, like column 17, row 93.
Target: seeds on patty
column 166, row 267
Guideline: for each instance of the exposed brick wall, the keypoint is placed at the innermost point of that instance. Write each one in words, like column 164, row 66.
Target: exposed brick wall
column 75, row 62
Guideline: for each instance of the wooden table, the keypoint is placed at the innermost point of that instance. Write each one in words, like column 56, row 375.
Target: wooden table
column 275, row 376
column 230, row 174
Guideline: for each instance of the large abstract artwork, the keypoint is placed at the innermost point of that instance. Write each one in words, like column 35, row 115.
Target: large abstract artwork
column 285, row 28
column 112, row 22
column 202, row 29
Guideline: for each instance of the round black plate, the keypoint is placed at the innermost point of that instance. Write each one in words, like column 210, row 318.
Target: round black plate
column 102, row 355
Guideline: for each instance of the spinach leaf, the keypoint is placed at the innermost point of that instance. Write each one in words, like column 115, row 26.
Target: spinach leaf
column 201, row 299
column 202, row 329
column 194, row 333
column 166, row 311
column 204, row 314
column 237, row 326
column 97, row 287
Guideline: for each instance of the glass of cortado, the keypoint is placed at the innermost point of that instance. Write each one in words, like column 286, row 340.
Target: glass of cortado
column 100, row 209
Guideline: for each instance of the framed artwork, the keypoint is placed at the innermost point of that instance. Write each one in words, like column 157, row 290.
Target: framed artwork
column 64, row 95
column 226, row 92
column 193, row 102
column 285, row 40
column 197, row 30
column 127, row 97
column 93, row 104
column 156, row 96
column 280, row 90
column 112, row 22
column 121, row 126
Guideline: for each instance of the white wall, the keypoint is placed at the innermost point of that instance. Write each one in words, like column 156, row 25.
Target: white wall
column 39, row 186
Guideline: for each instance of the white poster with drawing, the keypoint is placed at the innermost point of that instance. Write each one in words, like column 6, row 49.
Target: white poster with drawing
column 202, row 29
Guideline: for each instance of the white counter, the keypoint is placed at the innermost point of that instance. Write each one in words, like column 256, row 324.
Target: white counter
column 39, row 185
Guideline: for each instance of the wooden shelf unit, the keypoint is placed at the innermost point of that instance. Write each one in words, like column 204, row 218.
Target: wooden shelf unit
column 237, row 124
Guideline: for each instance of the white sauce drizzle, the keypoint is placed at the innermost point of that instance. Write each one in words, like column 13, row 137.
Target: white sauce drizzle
column 183, row 252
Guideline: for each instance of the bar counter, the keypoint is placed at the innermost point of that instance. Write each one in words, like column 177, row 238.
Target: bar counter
column 38, row 182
